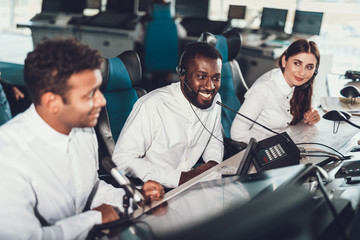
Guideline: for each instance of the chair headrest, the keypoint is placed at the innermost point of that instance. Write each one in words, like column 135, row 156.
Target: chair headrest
column 228, row 44
column 161, row 11
column 121, row 72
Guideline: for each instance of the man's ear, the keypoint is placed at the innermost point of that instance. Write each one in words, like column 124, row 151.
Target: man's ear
column 283, row 61
column 182, row 77
column 51, row 101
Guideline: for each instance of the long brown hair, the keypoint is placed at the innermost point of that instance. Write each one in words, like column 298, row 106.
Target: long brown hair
column 301, row 100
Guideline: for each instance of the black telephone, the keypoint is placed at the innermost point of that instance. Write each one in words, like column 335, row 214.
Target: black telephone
column 274, row 152
column 354, row 75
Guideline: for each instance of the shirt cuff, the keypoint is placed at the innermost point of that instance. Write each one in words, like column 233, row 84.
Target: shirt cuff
column 78, row 226
column 173, row 179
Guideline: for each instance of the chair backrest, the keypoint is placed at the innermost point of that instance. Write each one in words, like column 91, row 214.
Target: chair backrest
column 233, row 86
column 161, row 40
column 120, row 74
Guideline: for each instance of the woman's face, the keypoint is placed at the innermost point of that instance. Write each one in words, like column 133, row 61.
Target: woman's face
column 299, row 68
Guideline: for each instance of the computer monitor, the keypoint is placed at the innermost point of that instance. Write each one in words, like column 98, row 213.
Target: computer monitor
column 236, row 12
column 273, row 19
column 247, row 159
column 93, row 4
column 307, row 22
column 142, row 6
column 120, row 6
column 191, row 8
column 63, row 6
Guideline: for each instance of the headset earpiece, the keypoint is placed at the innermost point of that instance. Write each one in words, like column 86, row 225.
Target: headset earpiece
column 307, row 84
column 315, row 73
column 180, row 70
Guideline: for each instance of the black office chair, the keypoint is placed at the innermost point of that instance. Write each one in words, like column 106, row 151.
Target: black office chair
column 120, row 76
column 233, row 86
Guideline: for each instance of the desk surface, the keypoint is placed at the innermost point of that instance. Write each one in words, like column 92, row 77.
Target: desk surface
column 212, row 198
column 348, row 195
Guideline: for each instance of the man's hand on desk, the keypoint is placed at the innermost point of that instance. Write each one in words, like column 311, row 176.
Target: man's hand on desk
column 108, row 213
column 152, row 191
column 186, row 176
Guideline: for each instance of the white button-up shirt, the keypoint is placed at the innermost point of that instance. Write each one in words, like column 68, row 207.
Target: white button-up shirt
column 268, row 103
column 165, row 135
column 37, row 162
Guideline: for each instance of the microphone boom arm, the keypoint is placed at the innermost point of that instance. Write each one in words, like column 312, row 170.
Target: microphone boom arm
column 253, row 121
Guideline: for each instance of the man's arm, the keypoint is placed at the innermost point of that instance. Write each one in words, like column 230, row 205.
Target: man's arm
column 18, row 220
column 186, row 176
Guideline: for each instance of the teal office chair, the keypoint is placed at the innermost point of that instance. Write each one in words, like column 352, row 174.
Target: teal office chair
column 120, row 76
column 233, row 86
column 161, row 41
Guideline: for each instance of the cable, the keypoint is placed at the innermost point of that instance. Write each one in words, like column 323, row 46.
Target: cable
column 329, row 203
column 314, row 155
column 342, row 156
column 223, row 142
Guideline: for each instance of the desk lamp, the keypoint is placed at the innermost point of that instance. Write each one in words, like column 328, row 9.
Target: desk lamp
column 351, row 92
column 335, row 115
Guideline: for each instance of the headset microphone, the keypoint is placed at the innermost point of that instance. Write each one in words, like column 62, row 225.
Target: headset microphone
column 192, row 92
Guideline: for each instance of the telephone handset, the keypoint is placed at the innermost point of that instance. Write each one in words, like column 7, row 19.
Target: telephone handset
column 275, row 152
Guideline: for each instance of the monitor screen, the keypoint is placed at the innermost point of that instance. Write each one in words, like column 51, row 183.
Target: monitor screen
column 307, row 22
column 273, row 18
column 236, row 12
column 191, row 8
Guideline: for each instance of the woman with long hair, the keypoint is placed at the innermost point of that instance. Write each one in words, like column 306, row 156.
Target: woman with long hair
column 282, row 96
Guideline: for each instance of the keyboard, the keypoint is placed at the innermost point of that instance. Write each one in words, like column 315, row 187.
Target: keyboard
column 43, row 17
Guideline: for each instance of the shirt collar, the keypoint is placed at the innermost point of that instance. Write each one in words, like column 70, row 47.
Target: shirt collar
column 47, row 133
column 282, row 83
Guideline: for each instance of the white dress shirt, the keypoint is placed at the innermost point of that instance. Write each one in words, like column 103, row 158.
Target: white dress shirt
column 268, row 103
column 59, row 170
column 163, row 136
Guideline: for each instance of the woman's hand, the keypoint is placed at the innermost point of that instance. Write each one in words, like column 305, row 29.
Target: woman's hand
column 311, row 117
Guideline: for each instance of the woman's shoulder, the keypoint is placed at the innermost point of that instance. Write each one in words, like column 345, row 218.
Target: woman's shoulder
column 266, row 80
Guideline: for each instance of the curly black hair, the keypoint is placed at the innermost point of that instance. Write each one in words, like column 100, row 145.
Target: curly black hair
column 52, row 63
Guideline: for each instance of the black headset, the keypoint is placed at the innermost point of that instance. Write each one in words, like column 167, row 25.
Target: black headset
column 307, row 84
column 180, row 69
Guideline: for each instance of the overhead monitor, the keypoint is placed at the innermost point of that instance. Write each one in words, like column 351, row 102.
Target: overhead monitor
column 191, row 8
column 236, row 12
column 273, row 19
column 307, row 22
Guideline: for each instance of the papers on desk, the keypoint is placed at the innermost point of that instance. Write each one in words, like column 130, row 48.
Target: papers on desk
column 340, row 104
